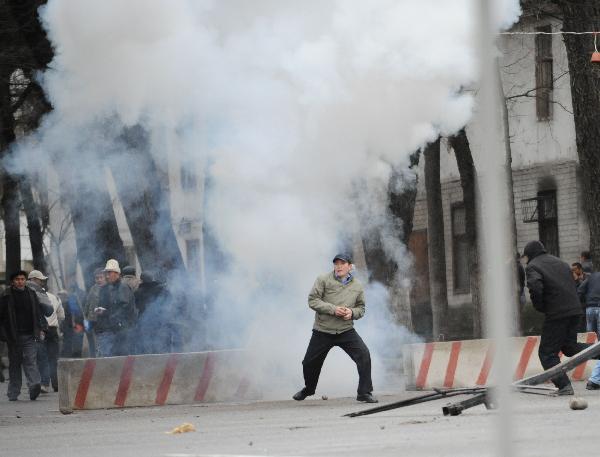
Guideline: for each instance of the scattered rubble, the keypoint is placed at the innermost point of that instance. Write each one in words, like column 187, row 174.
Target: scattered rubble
column 183, row 428
column 578, row 403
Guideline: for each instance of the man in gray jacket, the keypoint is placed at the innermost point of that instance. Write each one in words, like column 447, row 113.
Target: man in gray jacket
column 337, row 299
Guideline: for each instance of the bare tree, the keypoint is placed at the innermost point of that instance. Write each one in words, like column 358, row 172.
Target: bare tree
column 435, row 236
column 468, row 179
column 584, row 16
column 146, row 204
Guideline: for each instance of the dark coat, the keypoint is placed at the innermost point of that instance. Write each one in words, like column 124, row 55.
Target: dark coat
column 551, row 285
column 152, row 294
column 119, row 302
column 8, row 315
column 589, row 290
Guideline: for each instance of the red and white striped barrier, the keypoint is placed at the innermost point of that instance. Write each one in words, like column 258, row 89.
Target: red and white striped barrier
column 470, row 363
column 155, row 379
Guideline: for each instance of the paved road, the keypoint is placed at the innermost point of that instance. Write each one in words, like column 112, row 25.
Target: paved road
column 543, row 426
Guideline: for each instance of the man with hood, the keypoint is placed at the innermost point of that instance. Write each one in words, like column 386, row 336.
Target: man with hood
column 115, row 314
column 552, row 291
column 128, row 276
column 22, row 321
column 155, row 330
column 337, row 299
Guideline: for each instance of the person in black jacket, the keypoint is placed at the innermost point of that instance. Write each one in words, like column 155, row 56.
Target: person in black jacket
column 552, row 292
column 116, row 314
column 22, row 324
column 155, row 328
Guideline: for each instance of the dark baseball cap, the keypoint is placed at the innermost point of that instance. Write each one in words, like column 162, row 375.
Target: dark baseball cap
column 343, row 256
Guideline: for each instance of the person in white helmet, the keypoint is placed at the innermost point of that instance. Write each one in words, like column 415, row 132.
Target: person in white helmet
column 115, row 314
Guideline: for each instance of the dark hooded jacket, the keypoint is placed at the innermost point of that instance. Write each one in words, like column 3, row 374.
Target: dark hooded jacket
column 8, row 314
column 551, row 285
column 119, row 302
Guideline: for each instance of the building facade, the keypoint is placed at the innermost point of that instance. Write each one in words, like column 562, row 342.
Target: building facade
column 545, row 169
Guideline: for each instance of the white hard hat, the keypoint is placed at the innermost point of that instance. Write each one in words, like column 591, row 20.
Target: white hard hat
column 112, row 265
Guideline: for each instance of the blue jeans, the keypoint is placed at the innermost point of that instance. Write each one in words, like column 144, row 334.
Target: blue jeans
column 105, row 342
column 592, row 318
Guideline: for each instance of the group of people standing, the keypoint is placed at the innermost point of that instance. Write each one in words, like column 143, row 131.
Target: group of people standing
column 120, row 315
column 124, row 314
column 588, row 289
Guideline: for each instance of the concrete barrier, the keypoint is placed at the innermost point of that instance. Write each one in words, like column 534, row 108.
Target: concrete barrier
column 469, row 363
column 155, row 379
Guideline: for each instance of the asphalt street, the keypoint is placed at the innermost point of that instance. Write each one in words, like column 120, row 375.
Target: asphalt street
column 542, row 426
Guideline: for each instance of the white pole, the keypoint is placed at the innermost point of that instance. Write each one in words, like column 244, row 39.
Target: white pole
column 495, row 234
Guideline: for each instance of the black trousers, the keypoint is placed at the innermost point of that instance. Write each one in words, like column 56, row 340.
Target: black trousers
column 559, row 335
column 352, row 344
column 47, row 357
column 51, row 343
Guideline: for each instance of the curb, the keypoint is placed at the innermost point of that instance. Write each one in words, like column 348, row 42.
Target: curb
column 469, row 363
column 154, row 380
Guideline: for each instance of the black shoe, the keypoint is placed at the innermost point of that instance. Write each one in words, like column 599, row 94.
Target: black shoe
column 592, row 386
column 34, row 392
column 367, row 398
column 301, row 395
column 566, row 390
column 12, row 398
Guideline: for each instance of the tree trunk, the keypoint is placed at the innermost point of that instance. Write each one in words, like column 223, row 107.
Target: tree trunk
column 29, row 28
column 38, row 216
column 10, row 217
column 96, row 232
column 402, row 204
column 34, row 225
column 468, row 182
column 585, row 89
column 146, row 205
column 435, row 236
column 517, row 311
column 10, row 186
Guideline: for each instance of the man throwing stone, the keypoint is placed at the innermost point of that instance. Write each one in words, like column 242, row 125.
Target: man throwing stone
column 552, row 291
column 337, row 299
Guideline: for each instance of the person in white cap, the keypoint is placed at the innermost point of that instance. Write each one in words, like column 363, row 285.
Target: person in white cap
column 47, row 350
column 115, row 314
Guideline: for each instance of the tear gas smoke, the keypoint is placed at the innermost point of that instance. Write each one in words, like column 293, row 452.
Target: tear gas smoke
column 298, row 113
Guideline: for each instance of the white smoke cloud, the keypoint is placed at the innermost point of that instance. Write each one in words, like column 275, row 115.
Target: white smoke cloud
column 299, row 111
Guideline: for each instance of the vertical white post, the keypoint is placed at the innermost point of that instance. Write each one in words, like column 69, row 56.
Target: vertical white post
column 497, row 258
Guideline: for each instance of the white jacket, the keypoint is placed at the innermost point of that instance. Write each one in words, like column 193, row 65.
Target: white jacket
column 59, row 312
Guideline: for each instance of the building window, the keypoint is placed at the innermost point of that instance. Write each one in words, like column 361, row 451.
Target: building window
column 543, row 73
column 189, row 180
column 548, row 221
column 460, row 251
column 192, row 249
